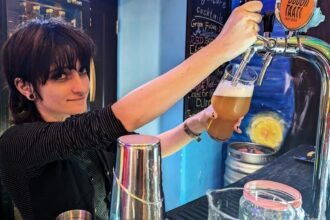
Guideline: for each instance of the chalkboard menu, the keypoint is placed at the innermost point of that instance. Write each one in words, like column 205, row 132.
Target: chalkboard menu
column 205, row 19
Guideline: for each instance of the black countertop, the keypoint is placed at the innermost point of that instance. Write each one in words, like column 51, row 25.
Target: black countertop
column 284, row 169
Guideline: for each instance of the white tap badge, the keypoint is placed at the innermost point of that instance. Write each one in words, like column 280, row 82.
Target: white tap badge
column 296, row 14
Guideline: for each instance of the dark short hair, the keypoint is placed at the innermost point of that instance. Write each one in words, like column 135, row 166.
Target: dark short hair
column 29, row 54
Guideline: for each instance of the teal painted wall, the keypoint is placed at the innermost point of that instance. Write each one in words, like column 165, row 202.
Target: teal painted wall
column 151, row 40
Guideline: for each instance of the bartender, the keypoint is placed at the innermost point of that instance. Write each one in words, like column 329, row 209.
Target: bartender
column 57, row 156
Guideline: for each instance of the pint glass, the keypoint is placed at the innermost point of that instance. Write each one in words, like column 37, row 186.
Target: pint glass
column 231, row 100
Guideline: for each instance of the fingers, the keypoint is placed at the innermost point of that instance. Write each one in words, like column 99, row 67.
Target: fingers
column 238, row 130
column 253, row 27
column 248, row 16
column 237, row 124
column 240, row 120
column 252, row 6
column 250, row 11
column 200, row 121
column 210, row 113
column 257, row 18
column 213, row 115
column 240, row 31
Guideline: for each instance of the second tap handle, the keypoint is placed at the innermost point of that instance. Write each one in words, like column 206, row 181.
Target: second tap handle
column 268, row 21
column 267, row 60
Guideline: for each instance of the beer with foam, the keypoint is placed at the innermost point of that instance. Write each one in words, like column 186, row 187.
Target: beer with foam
column 230, row 101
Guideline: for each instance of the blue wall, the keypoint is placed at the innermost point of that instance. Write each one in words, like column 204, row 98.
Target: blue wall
column 152, row 41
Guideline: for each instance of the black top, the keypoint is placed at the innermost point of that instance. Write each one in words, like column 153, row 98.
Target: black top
column 49, row 168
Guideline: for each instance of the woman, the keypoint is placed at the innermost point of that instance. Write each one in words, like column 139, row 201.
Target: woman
column 58, row 157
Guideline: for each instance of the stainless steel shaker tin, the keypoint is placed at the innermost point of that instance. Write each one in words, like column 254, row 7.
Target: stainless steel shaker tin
column 137, row 187
column 75, row 215
column 138, row 141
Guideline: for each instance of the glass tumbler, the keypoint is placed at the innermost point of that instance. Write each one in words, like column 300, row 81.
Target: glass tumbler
column 224, row 203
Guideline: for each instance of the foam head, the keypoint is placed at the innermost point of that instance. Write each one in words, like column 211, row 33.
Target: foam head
column 226, row 88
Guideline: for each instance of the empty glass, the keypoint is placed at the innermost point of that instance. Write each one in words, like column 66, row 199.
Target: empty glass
column 258, row 200
column 224, row 203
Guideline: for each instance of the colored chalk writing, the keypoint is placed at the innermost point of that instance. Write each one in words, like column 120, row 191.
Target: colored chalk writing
column 205, row 19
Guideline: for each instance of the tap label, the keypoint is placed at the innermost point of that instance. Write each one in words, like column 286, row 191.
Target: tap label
column 296, row 14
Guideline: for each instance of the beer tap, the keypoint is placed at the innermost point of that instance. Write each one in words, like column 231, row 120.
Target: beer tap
column 268, row 22
column 317, row 53
column 249, row 53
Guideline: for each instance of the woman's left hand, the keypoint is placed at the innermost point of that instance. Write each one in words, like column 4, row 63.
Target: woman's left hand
column 200, row 121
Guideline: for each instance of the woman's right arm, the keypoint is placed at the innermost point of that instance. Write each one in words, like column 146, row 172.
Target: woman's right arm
column 153, row 98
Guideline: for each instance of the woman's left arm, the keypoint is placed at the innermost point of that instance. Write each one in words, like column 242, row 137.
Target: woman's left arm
column 176, row 138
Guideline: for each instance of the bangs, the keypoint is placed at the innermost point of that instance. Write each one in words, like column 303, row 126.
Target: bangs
column 67, row 54
column 61, row 47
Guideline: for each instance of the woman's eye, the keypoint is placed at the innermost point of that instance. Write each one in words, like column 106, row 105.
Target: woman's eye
column 61, row 74
column 83, row 70
column 58, row 76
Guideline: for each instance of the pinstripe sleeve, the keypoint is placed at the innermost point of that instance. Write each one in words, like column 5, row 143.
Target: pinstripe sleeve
column 38, row 143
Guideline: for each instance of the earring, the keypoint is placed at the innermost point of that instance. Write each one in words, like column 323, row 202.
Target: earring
column 31, row 97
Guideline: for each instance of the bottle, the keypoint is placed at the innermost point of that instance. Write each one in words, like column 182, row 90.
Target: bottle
column 35, row 12
column 49, row 13
column 61, row 15
column 23, row 17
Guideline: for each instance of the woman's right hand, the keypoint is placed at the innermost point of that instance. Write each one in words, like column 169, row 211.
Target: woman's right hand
column 240, row 30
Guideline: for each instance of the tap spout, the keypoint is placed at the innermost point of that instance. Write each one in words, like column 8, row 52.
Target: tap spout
column 246, row 59
column 268, row 57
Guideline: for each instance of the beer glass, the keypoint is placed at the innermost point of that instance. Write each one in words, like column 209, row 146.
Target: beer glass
column 231, row 100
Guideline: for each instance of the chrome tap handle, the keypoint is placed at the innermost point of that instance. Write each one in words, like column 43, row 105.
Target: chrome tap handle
column 268, row 57
column 269, row 42
column 290, row 34
column 249, row 53
column 268, row 24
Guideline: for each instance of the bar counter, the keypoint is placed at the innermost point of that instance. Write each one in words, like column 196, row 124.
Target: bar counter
column 284, row 169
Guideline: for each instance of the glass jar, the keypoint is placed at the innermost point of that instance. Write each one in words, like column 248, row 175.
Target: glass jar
column 268, row 200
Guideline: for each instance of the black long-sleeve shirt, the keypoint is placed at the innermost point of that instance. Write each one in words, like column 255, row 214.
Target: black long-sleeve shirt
column 49, row 168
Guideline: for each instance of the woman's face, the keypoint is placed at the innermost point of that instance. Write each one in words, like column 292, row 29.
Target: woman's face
column 64, row 94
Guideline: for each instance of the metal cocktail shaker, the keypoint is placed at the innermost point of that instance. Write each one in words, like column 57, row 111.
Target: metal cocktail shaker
column 75, row 215
column 137, row 191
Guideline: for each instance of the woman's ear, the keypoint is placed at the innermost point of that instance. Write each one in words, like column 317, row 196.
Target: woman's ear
column 25, row 88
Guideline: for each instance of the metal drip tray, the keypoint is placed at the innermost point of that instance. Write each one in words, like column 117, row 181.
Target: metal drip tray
column 196, row 210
